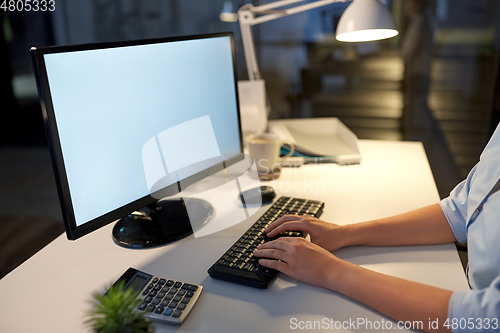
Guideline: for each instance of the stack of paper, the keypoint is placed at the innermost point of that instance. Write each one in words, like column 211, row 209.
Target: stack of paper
column 319, row 139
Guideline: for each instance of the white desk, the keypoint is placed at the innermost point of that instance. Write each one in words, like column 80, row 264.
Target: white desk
column 49, row 292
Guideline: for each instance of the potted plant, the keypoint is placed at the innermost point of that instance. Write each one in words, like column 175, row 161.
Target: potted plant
column 114, row 312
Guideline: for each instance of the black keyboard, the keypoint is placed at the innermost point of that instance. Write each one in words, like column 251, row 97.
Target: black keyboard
column 239, row 265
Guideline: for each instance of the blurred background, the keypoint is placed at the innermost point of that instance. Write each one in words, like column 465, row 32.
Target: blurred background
column 436, row 82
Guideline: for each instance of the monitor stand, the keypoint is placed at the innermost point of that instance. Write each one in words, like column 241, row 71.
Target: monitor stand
column 161, row 223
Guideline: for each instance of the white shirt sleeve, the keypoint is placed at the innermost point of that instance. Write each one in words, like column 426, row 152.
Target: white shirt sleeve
column 455, row 207
column 482, row 306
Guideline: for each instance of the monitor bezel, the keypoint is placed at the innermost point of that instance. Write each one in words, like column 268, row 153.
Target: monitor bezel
column 73, row 231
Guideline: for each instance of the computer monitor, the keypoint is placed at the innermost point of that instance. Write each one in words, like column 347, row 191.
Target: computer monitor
column 130, row 122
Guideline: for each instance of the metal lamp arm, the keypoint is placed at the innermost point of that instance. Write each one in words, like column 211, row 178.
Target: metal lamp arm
column 247, row 19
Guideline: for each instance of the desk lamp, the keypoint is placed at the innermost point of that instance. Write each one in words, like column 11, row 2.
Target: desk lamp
column 362, row 21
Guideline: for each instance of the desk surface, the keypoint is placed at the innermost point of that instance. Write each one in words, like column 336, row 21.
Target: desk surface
column 50, row 291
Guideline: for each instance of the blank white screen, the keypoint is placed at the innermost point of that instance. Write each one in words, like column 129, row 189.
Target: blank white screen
column 108, row 103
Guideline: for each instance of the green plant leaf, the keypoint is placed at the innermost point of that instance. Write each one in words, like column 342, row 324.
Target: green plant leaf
column 114, row 312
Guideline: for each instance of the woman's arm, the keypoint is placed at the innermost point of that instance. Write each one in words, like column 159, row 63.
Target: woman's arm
column 399, row 299
column 427, row 225
column 313, row 263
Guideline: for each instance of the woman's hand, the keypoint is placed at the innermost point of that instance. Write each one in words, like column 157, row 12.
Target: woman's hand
column 299, row 259
column 327, row 235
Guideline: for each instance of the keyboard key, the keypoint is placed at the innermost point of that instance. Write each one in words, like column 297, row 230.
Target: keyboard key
column 168, row 312
column 159, row 310
column 181, row 306
column 173, row 304
column 176, row 314
column 178, row 285
column 150, row 308
column 142, row 306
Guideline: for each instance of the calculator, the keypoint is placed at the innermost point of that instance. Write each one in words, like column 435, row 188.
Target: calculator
column 162, row 300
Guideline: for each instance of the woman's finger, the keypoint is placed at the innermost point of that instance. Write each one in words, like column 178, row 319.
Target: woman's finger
column 287, row 226
column 272, row 254
column 275, row 264
column 281, row 220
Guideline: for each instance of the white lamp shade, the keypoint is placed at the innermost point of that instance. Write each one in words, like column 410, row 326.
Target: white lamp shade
column 365, row 20
column 227, row 14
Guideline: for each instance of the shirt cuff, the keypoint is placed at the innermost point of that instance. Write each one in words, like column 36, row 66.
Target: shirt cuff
column 481, row 306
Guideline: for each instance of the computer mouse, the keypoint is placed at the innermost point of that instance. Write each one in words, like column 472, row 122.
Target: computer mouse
column 266, row 194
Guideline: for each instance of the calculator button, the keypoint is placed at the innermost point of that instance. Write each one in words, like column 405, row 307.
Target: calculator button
column 168, row 301
column 191, row 287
